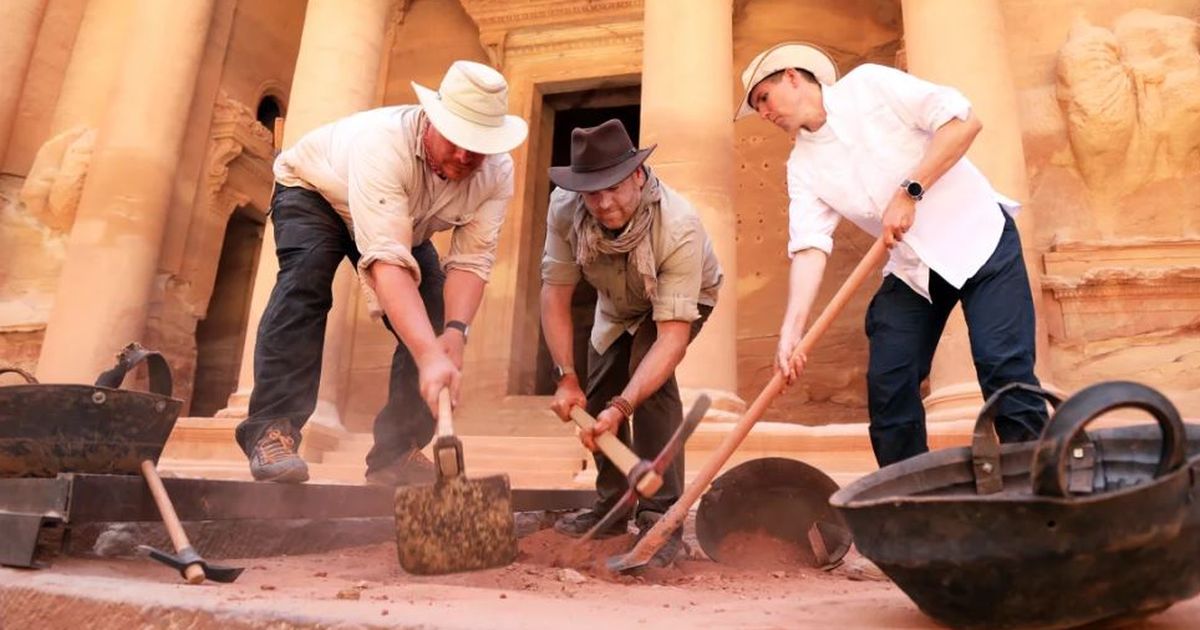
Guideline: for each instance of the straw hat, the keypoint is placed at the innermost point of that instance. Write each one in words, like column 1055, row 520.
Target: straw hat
column 781, row 57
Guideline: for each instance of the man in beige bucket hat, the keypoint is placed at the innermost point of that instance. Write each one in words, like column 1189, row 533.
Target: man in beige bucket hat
column 886, row 150
column 374, row 187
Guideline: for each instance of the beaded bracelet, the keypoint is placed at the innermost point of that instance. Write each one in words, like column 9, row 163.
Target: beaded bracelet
column 622, row 405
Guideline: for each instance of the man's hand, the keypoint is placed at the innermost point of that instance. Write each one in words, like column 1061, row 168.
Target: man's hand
column 567, row 396
column 453, row 343
column 898, row 218
column 437, row 372
column 788, row 362
column 607, row 421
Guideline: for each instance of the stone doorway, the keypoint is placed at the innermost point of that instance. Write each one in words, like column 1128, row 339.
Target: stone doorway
column 561, row 113
column 222, row 333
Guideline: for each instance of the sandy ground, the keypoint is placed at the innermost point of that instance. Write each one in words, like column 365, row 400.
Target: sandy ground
column 548, row 587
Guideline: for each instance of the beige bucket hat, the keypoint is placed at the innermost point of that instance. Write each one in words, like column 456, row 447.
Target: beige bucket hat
column 781, row 57
column 470, row 108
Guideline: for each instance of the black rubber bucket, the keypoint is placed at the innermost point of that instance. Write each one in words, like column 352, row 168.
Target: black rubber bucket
column 1074, row 528
column 47, row 429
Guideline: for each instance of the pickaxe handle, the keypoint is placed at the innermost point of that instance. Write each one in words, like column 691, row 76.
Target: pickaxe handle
column 647, row 480
column 662, row 530
column 194, row 572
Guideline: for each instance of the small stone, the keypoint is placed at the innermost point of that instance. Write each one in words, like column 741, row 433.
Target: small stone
column 383, row 612
column 267, row 587
column 503, row 596
column 571, row 576
column 362, row 585
column 349, row 593
column 778, row 574
column 321, row 574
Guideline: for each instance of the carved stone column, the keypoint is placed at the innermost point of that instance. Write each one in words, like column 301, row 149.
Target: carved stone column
column 964, row 45
column 18, row 33
column 114, row 247
column 336, row 73
column 687, row 109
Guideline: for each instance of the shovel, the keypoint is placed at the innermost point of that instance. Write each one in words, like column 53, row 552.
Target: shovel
column 454, row 524
column 658, row 535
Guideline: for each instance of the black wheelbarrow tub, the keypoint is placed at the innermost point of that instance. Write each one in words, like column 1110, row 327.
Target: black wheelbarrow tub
column 47, row 429
column 1121, row 537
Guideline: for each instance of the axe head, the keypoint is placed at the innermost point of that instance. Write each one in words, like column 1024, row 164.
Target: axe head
column 187, row 557
column 660, row 464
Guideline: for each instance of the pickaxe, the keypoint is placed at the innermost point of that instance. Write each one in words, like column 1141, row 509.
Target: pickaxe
column 642, row 471
column 190, row 565
column 658, row 535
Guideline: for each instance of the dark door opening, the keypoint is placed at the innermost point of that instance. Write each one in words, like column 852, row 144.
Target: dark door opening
column 583, row 302
column 222, row 332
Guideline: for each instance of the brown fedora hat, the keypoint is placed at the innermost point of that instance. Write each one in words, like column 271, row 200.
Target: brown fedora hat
column 601, row 156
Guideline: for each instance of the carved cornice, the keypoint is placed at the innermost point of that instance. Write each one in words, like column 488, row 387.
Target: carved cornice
column 531, row 27
column 235, row 131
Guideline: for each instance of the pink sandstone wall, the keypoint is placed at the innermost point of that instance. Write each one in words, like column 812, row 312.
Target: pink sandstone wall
column 1109, row 95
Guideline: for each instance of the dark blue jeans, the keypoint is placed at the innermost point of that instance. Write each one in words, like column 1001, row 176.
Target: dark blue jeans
column 310, row 241
column 903, row 330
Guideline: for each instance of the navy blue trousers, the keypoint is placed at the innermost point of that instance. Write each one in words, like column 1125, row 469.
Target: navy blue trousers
column 903, row 330
column 310, row 241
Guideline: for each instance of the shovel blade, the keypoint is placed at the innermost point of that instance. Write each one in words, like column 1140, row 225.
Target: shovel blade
column 457, row 524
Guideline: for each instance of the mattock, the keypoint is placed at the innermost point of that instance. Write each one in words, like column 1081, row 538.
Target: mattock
column 644, row 477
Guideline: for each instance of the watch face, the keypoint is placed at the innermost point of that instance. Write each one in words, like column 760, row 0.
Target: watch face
column 915, row 189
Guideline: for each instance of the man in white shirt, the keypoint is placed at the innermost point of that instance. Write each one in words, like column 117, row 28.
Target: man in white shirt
column 374, row 187
column 886, row 150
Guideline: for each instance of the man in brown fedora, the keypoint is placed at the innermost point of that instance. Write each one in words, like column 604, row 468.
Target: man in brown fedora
column 641, row 245
column 374, row 187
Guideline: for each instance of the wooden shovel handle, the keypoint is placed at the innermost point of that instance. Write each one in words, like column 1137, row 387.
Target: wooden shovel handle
column 615, row 450
column 657, row 536
column 194, row 572
column 445, row 414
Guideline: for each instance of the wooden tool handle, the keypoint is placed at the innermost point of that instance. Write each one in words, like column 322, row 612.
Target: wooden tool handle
column 445, row 414
column 194, row 572
column 615, row 450
column 657, row 536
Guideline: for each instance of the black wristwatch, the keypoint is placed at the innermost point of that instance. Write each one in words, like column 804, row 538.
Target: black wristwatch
column 561, row 372
column 914, row 189
column 461, row 327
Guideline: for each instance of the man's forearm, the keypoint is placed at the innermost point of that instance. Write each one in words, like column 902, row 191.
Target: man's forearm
column 557, row 327
column 804, row 279
column 660, row 361
column 402, row 303
column 462, row 295
column 948, row 145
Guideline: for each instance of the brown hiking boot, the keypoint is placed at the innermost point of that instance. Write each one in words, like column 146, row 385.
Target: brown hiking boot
column 274, row 457
column 411, row 468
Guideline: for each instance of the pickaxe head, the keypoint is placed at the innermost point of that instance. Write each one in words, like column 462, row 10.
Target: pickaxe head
column 188, row 557
column 658, row 466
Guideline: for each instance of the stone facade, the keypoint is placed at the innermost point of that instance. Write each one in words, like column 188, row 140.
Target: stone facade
column 1102, row 96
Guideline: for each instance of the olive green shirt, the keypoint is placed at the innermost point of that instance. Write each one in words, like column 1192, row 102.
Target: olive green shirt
column 688, row 271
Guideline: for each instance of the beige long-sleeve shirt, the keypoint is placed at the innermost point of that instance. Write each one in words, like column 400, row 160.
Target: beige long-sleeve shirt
column 370, row 166
column 687, row 268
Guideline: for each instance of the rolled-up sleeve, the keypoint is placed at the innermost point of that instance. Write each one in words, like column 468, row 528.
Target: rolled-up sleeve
column 811, row 222
column 558, row 260
column 473, row 245
column 678, row 294
column 919, row 103
column 383, row 225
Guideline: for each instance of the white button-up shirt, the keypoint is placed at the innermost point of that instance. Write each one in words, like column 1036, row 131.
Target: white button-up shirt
column 370, row 167
column 879, row 122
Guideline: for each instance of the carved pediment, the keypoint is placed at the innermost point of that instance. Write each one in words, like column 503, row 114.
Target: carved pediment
column 510, row 28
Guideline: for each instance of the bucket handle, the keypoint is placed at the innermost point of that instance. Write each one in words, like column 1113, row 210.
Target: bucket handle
column 985, row 442
column 29, row 378
column 1048, row 468
column 130, row 356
